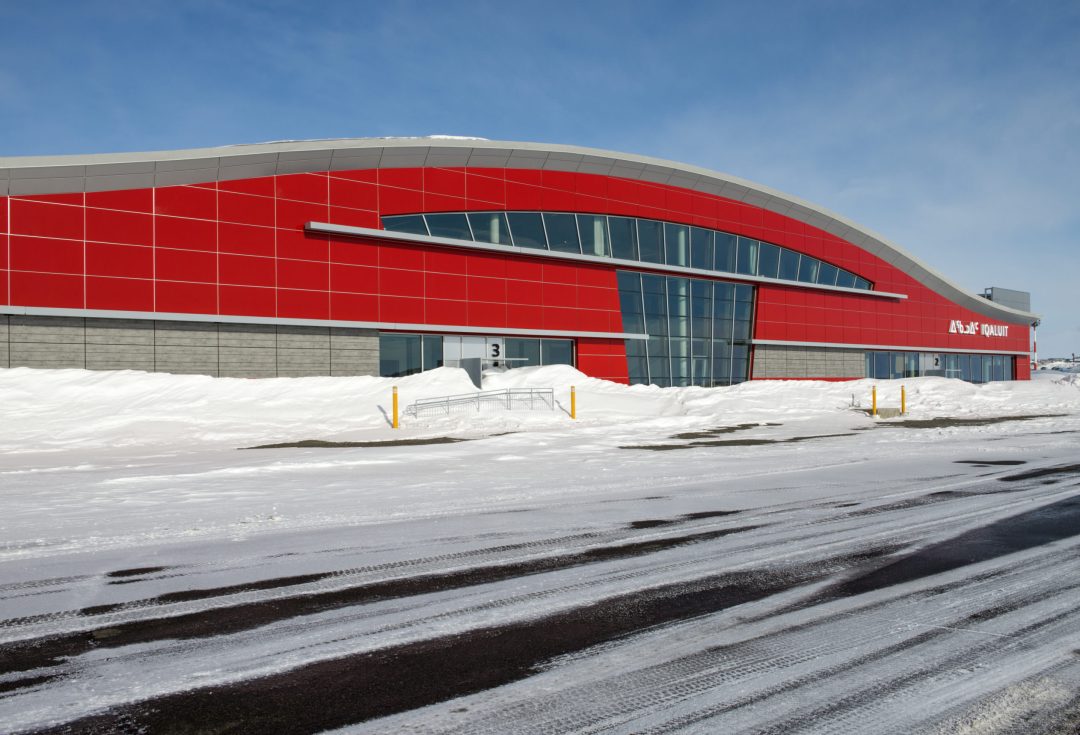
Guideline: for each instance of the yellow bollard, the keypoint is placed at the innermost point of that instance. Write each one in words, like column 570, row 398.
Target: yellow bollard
column 903, row 400
column 573, row 402
column 395, row 408
column 873, row 401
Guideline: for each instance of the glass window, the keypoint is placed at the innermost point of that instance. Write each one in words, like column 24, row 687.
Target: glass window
column 399, row 355
column 964, row 361
column 522, row 352
column 432, row 351
column 808, row 268
column 654, row 296
column 412, row 224
column 594, row 237
column 637, row 361
column 881, row 365
column 700, row 311
column 628, row 280
column 999, row 367
column 741, row 328
column 911, row 365
column 747, row 262
column 845, row 279
column 952, row 366
column 630, row 302
column 449, row 225
column 723, row 293
column 725, row 252
column 977, row 369
column 701, row 248
column 680, row 361
column 562, row 233
column 827, row 274
column 659, row 364
column 490, row 227
column 768, row 260
column 527, row 229
column 789, row 265
column 678, row 306
column 862, row 283
column 721, row 363
column 650, row 241
column 1008, row 368
column 623, row 237
column 896, row 366
column 676, row 243
column 740, row 363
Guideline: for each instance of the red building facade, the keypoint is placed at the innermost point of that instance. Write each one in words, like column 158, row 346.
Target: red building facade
column 292, row 234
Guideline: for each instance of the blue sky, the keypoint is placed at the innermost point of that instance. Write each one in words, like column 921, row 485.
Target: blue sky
column 952, row 128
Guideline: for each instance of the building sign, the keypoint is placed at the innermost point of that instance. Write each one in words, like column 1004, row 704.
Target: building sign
column 987, row 330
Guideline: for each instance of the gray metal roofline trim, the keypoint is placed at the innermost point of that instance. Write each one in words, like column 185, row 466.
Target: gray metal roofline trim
column 350, row 231
column 390, row 326
column 884, row 348
column 319, row 155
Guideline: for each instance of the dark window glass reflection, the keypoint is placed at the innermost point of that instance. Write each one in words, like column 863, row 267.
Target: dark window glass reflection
column 827, row 274
column 747, row 259
column 562, row 233
column 412, row 224
column 725, row 252
column 490, row 227
column 789, row 265
column 594, row 236
column 522, row 352
column 808, row 268
column 677, row 244
column 399, row 355
column 650, row 241
column 701, row 248
column 527, row 229
column 627, row 238
column 630, row 302
column 433, row 355
column 623, row 232
column 449, row 225
column 768, row 260
column 845, row 279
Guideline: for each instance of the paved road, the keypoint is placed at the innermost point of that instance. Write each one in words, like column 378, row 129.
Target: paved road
column 942, row 598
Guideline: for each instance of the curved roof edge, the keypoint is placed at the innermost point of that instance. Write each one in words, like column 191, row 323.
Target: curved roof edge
column 110, row 171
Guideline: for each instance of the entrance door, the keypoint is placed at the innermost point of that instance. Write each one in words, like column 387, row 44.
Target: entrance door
column 473, row 354
column 488, row 349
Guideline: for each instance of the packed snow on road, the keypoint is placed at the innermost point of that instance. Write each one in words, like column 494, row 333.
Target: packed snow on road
column 186, row 553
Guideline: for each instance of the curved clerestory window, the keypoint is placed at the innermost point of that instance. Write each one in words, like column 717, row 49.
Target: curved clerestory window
column 630, row 238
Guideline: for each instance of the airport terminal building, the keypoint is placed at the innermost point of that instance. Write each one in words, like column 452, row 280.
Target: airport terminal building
column 392, row 256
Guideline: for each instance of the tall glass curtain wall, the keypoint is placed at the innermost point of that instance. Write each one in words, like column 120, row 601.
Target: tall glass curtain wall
column 699, row 331
column 408, row 354
column 629, row 238
column 972, row 368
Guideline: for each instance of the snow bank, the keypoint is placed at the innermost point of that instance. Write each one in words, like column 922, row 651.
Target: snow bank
column 51, row 410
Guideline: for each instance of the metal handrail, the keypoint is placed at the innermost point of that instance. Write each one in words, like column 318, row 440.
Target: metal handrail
column 508, row 398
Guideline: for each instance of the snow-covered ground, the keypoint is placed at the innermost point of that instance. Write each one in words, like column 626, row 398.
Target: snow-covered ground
column 690, row 546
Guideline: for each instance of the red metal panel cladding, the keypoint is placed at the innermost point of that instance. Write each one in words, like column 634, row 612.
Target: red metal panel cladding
column 239, row 248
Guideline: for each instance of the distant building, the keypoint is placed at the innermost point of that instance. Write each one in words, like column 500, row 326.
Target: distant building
column 392, row 256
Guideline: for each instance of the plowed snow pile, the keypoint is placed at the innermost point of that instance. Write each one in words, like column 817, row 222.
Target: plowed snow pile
column 50, row 410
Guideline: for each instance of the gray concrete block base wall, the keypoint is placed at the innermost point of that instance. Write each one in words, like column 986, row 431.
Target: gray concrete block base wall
column 789, row 361
column 231, row 350
column 225, row 350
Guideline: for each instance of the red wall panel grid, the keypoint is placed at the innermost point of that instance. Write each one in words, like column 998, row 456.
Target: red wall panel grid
column 239, row 248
